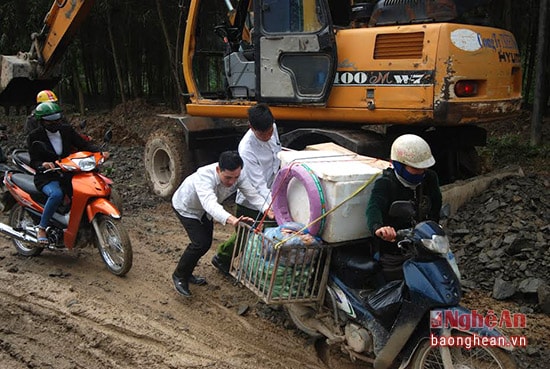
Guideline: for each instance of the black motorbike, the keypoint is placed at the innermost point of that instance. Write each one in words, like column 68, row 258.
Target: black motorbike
column 342, row 299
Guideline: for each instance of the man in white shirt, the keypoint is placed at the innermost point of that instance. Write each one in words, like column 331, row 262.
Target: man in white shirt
column 258, row 148
column 197, row 203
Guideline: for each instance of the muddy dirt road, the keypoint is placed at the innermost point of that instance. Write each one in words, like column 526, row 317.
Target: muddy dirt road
column 65, row 310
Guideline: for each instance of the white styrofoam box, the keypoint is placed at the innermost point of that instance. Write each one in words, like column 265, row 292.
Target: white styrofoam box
column 340, row 174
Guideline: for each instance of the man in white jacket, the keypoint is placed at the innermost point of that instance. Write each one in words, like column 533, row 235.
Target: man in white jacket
column 197, row 203
column 258, row 148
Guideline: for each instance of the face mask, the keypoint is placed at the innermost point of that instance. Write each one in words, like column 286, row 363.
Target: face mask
column 413, row 179
column 52, row 127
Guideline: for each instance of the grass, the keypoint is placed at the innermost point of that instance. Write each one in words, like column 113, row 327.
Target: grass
column 514, row 148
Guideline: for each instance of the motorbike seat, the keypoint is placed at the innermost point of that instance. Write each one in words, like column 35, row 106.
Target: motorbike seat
column 26, row 182
column 368, row 266
column 22, row 159
column 355, row 266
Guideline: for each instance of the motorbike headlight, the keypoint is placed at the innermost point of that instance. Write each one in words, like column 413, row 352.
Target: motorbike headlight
column 86, row 164
column 437, row 243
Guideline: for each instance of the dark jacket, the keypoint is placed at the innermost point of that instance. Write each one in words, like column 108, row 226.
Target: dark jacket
column 31, row 124
column 388, row 189
column 71, row 141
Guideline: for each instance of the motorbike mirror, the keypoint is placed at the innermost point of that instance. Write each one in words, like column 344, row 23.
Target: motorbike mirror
column 108, row 136
column 402, row 209
column 404, row 244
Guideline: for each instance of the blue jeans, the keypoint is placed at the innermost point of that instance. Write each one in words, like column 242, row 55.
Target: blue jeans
column 55, row 197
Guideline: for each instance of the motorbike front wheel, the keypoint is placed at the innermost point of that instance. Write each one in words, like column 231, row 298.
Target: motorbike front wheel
column 113, row 244
column 20, row 220
column 479, row 357
column 303, row 316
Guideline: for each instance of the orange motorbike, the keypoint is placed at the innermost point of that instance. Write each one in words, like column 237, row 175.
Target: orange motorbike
column 89, row 216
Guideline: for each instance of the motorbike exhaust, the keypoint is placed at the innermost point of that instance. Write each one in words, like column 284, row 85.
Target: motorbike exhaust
column 22, row 236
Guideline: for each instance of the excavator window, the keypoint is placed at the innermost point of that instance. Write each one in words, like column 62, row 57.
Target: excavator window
column 340, row 11
column 208, row 65
column 309, row 72
column 281, row 16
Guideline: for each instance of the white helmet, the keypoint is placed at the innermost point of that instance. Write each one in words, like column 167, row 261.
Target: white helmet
column 413, row 151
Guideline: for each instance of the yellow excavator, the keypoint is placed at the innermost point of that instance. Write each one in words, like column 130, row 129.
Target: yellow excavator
column 355, row 73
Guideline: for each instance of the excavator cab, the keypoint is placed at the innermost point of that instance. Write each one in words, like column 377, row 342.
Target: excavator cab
column 279, row 51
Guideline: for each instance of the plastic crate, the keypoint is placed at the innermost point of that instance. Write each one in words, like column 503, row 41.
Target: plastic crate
column 279, row 273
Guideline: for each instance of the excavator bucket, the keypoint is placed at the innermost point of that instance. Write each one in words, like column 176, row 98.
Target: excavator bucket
column 23, row 75
column 19, row 82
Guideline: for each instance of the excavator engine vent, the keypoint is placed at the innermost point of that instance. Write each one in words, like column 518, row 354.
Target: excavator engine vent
column 399, row 46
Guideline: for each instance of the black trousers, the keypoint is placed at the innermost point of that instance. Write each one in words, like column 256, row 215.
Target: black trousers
column 200, row 234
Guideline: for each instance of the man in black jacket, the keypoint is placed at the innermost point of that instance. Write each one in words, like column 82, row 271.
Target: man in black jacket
column 409, row 179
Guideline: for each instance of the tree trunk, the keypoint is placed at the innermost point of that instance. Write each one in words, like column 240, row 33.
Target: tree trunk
column 78, row 88
column 529, row 56
column 539, row 99
column 115, row 60
column 507, row 14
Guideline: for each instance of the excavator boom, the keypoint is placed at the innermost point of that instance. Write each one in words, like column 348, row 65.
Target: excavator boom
column 24, row 74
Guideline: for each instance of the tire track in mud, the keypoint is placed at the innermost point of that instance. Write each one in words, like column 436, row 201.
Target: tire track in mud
column 130, row 340
column 93, row 337
column 89, row 318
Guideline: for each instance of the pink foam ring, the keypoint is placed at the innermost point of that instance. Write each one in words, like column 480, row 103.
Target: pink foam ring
column 280, row 190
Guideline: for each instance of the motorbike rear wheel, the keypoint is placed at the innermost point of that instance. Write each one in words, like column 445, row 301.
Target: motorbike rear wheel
column 114, row 245
column 20, row 220
column 478, row 357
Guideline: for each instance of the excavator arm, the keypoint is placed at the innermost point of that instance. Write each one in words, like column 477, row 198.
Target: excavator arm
column 23, row 75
